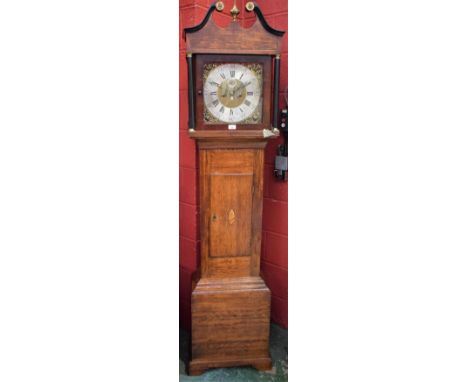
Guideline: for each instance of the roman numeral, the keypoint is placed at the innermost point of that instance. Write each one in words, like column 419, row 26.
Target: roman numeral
column 242, row 75
column 214, row 83
column 213, row 93
column 222, row 75
column 231, row 113
column 249, row 93
column 247, row 84
column 247, row 102
column 233, row 73
column 222, row 109
column 215, row 102
column 241, row 110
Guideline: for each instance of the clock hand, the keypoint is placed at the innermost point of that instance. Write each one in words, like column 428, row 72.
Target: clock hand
column 238, row 90
column 224, row 90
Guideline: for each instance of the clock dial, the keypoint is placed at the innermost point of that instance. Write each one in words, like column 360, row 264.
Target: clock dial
column 232, row 93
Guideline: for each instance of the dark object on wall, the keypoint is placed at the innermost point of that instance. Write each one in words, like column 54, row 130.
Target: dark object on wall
column 281, row 160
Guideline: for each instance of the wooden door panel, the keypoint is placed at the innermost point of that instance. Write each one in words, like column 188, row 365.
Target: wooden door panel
column 231, row 184
column 231, row 214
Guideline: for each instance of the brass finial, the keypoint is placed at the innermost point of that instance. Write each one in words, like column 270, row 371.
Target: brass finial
column 235, row 11
column 250, row 6
column 219, row 6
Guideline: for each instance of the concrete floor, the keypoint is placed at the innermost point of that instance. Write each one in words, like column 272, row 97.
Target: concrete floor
column 278, row 352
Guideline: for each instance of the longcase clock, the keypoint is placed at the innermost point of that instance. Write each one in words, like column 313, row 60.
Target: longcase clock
column 233, row 76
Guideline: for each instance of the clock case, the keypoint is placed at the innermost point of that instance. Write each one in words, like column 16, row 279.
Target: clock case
column 230, row 301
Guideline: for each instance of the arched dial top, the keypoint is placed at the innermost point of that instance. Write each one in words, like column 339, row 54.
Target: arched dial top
column 232, row 93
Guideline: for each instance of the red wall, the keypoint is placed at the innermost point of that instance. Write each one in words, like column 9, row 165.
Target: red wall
column 275, row 207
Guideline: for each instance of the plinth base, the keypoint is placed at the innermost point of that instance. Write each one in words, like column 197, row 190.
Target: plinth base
column 230, row 324
column 198, row 367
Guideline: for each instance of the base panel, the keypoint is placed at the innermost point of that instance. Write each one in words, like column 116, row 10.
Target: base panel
column 198, row 367
column 230, row 324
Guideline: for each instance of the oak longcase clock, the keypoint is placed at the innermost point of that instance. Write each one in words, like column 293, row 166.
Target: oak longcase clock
column 233, row 76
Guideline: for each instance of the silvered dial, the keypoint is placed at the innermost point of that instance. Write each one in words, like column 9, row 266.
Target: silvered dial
column 232, row 94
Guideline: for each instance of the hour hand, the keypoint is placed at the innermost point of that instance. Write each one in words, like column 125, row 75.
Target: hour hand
column 223, row 90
